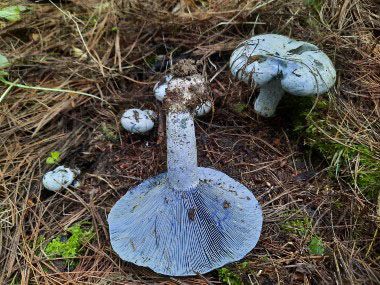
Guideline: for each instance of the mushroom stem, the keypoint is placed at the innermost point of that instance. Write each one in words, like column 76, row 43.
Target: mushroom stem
column 182, row 150
column 269, row 97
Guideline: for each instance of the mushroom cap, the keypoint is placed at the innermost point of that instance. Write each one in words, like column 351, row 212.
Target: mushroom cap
column 178, row 233
column 159, row 90
column 58, row 178
column 302, row 67
column 137, row 121
column 203, row 109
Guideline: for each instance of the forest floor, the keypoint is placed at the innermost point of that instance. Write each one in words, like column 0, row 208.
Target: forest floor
column 314, row 167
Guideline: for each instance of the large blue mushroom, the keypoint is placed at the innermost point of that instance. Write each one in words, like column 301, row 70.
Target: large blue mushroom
column 190, row 219
column 278, row 64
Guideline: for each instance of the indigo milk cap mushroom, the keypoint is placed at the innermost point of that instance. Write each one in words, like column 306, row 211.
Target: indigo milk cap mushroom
column 159, row 91
column 190, row 219
column 137, row 121
column 278, row 64
column 59, row 178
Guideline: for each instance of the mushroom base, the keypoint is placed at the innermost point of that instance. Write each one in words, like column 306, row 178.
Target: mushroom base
column 181, row 233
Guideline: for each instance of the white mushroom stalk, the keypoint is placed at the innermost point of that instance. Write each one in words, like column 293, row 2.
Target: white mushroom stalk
column 278, row 64
column 159, row 91
column 182, row 150
column 190, row 219
column 269, row 97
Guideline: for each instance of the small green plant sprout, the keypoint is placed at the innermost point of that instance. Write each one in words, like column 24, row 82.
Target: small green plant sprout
column 12, row 13
column 229, row 277
column 71, row 246
column 316, row 246
column 53, row 158
column 300, row 227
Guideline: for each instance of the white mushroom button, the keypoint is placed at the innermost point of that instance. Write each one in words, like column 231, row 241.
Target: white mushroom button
column 138, row 121
column 59, row 178
column 278, row 64
column 160, row 92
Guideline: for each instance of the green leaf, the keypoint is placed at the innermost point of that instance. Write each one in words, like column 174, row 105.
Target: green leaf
column 4, row 62
column 12, row 13
column 316, row 246
column 53, row 158
column 55, row 155
column 50, row 160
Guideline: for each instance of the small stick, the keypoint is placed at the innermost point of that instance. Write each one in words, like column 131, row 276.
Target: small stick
column 161, row 125
column 203, row 278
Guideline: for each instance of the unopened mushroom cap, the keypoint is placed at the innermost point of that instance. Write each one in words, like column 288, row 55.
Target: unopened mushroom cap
column 160, row 92
column 189, row 91
column 137, row 121
column 203, row 109
column 58, row 178
column 302, row 67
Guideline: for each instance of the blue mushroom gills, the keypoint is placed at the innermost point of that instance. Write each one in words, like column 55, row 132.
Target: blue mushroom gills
column 186, row 221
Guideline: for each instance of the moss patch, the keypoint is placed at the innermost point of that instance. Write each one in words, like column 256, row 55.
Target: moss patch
column 72, row 246
column 355, row 163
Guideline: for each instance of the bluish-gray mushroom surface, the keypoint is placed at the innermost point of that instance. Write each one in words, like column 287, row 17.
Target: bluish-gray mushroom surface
column 179, row 232
column 278, row 64
column 190, row 219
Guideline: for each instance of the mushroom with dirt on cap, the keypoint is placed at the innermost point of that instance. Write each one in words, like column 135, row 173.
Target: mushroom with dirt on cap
column 60, row 177
column 160, row 91
column 138, row 121
column 191, row 219
column 278, row 64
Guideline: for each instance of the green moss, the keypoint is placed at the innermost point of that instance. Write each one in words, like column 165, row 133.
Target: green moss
column 229, row 277
column 299, row 227
column 302, row 227
column 311, row 121
column 73, row 246
column 151, row 59
column 234, row 277
column 339, row 204
column 109, row 132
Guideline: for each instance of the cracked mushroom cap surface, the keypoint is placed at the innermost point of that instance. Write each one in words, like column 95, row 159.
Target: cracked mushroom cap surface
column 302, row 68
column 59, row 178
column 137, row 121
